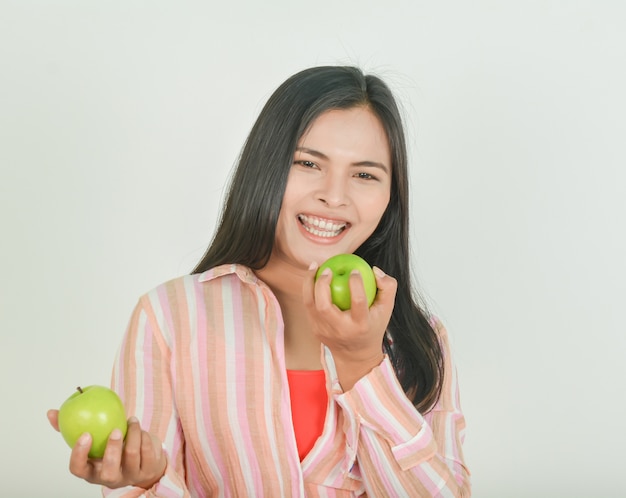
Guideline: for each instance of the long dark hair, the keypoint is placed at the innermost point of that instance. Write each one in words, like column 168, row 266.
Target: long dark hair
column 246, row 230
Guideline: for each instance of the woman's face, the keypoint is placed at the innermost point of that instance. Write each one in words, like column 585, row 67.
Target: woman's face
column 338, row 187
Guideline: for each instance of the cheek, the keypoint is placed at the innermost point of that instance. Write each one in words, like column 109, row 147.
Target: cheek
column 281, row 226
column 377, row 205
column 290, row 199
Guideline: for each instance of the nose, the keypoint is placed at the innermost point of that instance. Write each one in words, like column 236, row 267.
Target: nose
column 333, row 192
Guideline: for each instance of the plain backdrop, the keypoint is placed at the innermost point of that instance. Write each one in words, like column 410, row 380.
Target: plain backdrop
column 120, row 122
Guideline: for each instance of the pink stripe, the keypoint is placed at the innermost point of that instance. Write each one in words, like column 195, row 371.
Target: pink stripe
column 119, row 372
column 242, row 394
column 203, row 359
column 373, row 453
column 193, row 476
column 148, row 389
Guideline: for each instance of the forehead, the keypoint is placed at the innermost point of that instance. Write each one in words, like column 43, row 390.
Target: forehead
column 356, row 129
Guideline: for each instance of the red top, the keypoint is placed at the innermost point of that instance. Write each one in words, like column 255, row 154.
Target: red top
column 309, row 400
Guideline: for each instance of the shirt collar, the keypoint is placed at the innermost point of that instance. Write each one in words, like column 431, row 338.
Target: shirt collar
column 243, row 272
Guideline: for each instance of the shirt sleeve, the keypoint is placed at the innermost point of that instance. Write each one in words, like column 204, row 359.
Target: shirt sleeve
column 142, row 378
column 396, row 450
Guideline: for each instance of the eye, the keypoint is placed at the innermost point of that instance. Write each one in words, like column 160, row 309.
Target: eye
column 365, row 176
column 306, row 164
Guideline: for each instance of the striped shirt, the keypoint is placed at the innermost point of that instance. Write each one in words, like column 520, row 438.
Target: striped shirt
column 202, row 366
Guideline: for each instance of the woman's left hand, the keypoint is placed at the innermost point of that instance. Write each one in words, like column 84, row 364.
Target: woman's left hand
column 354, row 336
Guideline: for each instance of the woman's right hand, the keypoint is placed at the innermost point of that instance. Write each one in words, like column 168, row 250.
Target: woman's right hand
column 139, row 460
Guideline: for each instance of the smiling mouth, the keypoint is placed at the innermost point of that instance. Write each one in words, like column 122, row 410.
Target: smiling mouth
column 322, row 227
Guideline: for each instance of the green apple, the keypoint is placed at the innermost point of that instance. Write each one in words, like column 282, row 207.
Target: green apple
column 96, row 410
column 342, row 265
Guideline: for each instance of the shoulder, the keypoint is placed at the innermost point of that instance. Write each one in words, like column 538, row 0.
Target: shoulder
column 173, row 306
column 240, row 272
column 438, row 327
column 442, row 335
column 186, row 287
column 212, row 276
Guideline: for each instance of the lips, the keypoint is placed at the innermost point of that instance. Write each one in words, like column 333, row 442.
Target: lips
column 322, row 227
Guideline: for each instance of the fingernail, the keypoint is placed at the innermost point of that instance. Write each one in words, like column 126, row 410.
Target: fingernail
column 133, row 420
column 312, row 266
column 379, row 273
column 327, row 272
column 84, row 439
column 116, row 435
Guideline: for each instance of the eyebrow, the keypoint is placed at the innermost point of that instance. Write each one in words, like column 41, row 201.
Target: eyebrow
column 321, row 155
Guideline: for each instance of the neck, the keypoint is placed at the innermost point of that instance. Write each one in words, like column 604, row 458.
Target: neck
column 302, row 349
column 284, row 279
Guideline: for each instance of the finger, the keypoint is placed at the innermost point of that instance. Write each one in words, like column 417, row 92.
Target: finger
column 110, row 471
column 153, row 460
column 132, row 446
column 322, row 296
column 387, row 287
column 79, row 459
column 53, row 418
column 358, row 298
column 157, row 445
column 151, row 450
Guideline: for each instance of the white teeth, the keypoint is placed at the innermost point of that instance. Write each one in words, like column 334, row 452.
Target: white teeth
column 321, row 228
column 319, row 233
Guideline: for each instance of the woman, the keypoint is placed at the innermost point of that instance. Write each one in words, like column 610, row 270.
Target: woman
column 245, row 378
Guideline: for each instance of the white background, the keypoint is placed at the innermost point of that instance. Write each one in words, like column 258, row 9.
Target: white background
column 120, row 122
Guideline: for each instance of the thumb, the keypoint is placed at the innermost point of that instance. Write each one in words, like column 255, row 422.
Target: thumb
column 53, row 418
column 387, row 287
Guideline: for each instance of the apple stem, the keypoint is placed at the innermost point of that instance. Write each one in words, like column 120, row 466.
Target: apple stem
column 79, row 390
